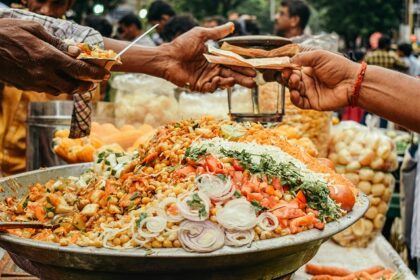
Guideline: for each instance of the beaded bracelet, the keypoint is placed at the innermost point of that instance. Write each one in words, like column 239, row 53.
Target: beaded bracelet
column 358, row 85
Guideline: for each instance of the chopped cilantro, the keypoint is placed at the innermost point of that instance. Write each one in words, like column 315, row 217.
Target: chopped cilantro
column 141, row 218
column 197, row 204
column 237, row 194
column 25, row 203
column 195, row 153
column 317, row 192
column 258, row 207
column 222, row 177
column 134, row 196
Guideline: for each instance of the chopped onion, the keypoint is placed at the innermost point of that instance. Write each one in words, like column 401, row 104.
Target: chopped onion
column 189, row 212
column 155, row 211
column 154, row 226
column 202, row 237
column 215, row 187
column 264, row 221
column 239, row 238
column 237, row 214
column 170, row 217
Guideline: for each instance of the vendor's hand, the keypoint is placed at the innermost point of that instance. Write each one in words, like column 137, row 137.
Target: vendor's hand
column 187, row 65
column 325, row 81
column 32, row 59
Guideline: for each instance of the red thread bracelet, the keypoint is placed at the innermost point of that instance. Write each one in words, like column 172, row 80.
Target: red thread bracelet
column 358, row 85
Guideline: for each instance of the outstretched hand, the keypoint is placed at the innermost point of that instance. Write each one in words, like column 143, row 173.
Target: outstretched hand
column 187, row 66
column 32, row 59
column 325, row 81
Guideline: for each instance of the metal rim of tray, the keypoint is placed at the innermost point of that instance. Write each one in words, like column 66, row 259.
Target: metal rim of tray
column 361, row 206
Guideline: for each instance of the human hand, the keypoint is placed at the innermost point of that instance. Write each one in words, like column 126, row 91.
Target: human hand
column 187, row 65
column 325, row 82
column 32, row 59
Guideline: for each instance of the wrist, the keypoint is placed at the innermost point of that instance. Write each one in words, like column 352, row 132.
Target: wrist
column 167, row 61
column 352, row 82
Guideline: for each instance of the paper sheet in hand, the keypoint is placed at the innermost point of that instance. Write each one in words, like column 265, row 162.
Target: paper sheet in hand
column 286, row 50
column 219, row 56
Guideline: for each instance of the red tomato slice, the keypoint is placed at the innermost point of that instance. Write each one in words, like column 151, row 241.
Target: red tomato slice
column 301, row 199
column 237, row 165
column 254, row 196
column 343, row 195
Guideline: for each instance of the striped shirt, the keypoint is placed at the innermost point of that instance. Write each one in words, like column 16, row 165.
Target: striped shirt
column 62, row 29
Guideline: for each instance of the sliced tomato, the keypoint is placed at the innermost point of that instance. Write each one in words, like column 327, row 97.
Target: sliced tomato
column 237, row 165
column 301, row 199
column 265, row 202
column 237, row 177
column 343, row 195
column 284, row 223
column 200, row 170
column 213, row 165
column 319, row 225
column 245, row 190
column 254, row 196
column 40, row 213
column 173, row 209
column 184, row 172
column 276, row 183
column 288, row 213
column 298, row 224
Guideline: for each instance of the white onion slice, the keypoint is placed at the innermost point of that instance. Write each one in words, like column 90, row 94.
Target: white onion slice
column 215, row 187
column 202, row 237
column 155, row 211
column 170, row 217
column 237, row 214
column 194, row 214
column 264, row 221
column 239, row 238
column 154, row 226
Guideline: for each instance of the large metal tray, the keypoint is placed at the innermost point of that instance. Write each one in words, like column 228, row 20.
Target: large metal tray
column 265, row 259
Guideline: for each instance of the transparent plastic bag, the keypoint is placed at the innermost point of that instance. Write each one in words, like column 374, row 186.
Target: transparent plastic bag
column 142, row 99
column 366, row 156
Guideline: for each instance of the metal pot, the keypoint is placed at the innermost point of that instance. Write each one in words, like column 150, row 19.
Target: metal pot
column 44, row 119
column 275, row 258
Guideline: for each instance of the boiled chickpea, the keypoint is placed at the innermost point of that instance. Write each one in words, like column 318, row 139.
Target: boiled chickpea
column 353, row 177
column 371, row 212
column 379, row 221
column 366, row 174
column 365, row 187
column 378, row 189
column 378, row 177
column 383, row 207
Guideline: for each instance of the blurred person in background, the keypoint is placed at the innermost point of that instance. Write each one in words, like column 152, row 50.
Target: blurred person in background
column 50, row 8
column 214, row 21
column 160, row 13
column 405, row 52
column 130, row 27
column 178, row 25
column 292, row 18
column 251, row 27
column 100, row 24
column 383, row 56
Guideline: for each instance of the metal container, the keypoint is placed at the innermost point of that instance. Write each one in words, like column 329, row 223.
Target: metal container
column 44, row 119
column 276, row 258
column 258, row 113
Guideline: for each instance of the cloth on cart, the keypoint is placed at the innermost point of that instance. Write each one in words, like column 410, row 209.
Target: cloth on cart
column 415, row 230
column 407, row 188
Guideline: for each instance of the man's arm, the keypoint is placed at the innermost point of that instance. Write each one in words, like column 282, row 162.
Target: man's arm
column 182, row 61
column 326, row 82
